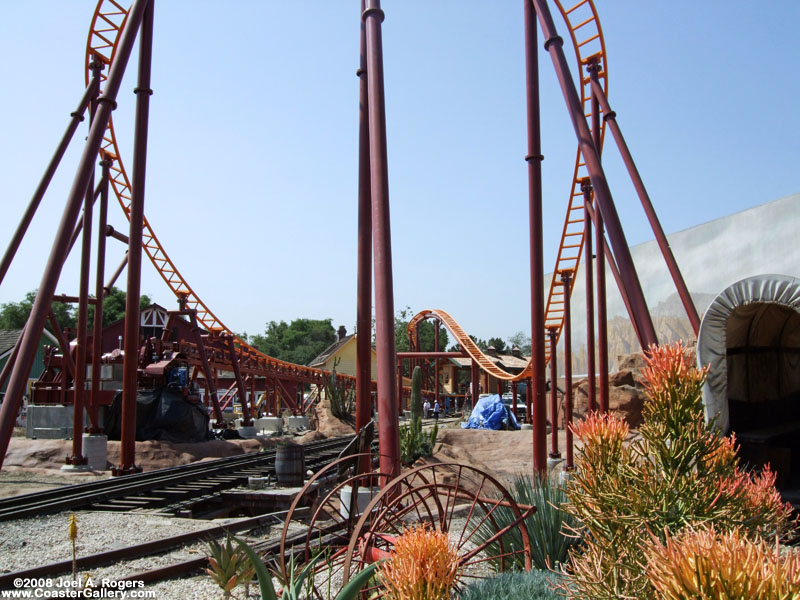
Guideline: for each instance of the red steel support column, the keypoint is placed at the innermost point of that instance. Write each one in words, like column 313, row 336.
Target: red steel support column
column 612, row 266
column 586, row 188
column 247, row 419
column 644, row 197
column 364, row 284
column 41, row 306
column 389, row 435
column 97, row 329
column 567, row 335
column 38, row 194
column 79, row 383
column 514, row 397
column 553, row 336
column 536, row 395
column 131, row 340
column 436, row 360
column 474, row 383
column 554, row 44
column 602, row 313
column 211, row 387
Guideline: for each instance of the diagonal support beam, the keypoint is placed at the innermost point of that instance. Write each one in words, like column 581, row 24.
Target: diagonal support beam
column 554, row 45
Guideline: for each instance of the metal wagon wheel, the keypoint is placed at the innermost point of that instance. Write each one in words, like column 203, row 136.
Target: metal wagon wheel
column 330, row 523
column 458, row 499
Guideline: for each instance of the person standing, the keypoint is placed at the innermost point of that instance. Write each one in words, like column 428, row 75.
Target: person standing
column 436, row 411
column 426, row 408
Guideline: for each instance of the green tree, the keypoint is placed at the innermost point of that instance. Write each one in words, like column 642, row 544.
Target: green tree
column 498, row 344
column 14, row 315
column 114, row 306
column 298, row 342
column 521, row 341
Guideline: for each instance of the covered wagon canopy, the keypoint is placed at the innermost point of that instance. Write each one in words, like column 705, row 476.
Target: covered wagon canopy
column 750, row 339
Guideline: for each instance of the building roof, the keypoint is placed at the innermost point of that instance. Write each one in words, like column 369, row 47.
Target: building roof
column 330, row 351
column 509, row 362
column 8, row 338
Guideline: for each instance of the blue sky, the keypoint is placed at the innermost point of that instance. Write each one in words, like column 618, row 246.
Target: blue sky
column 252, row 166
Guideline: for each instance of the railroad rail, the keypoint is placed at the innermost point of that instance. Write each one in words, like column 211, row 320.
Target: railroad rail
column 172, row 490
column 108, row 557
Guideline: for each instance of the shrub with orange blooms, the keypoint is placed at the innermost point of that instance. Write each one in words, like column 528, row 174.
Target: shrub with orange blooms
column 422, row 566
column 721, row 565
column 680, row 473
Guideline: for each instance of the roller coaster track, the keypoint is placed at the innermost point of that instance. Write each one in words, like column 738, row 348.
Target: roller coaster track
column 587, row 41
column 107, row 23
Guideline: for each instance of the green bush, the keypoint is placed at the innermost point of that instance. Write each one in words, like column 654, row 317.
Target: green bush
column 533, row 585
column 550, row 529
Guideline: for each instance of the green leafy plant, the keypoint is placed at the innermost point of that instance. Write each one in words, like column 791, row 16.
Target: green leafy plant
column 229, row 566
column 681, row 472
column 530, row 585
column 341, row 397
column 299, row 584
column 551, row 530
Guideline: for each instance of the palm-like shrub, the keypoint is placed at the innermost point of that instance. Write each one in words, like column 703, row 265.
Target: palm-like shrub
column 680, row 473
column 723, row 566
column 551, row 530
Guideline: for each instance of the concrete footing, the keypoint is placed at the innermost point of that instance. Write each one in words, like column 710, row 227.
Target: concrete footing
column 269, row 424
column 297, row 422
column 76, row 468
column 248, row 432
column 95, row 447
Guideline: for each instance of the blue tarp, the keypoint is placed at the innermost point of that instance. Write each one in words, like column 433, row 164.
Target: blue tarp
column 491, row 413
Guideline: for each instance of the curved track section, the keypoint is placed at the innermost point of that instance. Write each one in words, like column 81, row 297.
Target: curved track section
column 466, row 342
column 107, row 23
column 589, row 46
column 587, row 41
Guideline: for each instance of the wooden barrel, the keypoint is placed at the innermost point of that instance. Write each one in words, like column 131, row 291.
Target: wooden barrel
column 290, row 465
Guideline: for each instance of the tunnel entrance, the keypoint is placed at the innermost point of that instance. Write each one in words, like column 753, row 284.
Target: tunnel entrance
column 750, row 339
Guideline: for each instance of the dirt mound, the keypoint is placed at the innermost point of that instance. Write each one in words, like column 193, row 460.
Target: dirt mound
column 502, row 454
column 324, row 422
column 625, row 393
column 50, row 454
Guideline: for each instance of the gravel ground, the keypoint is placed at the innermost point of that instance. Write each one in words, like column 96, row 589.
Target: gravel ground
column 25, row 543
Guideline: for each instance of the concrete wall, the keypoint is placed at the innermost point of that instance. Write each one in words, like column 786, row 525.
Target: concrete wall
column 711, row 256
column 53, row 422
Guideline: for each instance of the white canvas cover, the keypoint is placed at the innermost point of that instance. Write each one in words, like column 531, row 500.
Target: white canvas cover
column 758, row 318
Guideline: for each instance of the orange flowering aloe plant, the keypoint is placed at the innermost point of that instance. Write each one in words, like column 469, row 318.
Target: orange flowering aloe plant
column 679, row 473
column 422, row 566
column 706, row 563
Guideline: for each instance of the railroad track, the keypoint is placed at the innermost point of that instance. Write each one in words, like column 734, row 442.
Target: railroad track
column 172, row 491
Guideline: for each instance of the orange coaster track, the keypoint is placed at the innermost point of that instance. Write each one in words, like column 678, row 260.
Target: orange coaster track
column 587, row 40
column 107, row 23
